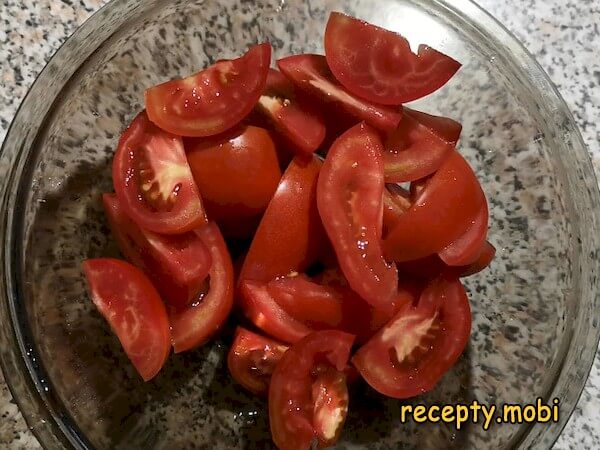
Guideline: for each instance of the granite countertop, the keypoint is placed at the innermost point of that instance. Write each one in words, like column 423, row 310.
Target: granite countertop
column 563, row 35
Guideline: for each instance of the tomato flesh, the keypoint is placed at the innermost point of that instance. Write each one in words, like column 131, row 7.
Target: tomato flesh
column 153, row 181
column 213, row 100
column 420, row 344
column 379, row 66
column 307, row 398
column 445, row 128
column 468, row 247
column 349, row 197
column 396, row 201
column 252, row 359
column 132, row 307
column 311, row 74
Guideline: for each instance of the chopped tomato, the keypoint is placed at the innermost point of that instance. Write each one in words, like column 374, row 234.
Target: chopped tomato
column 264, row 312
column 212, row 100
column 442, row 212
column 196, row 323
column 308, row 398
column 177, row 264
column 379, row 66
column 252, row 359
column 413, row 151
column 468, row 247
column 153, row 181
column 311, row 74
column 237, row 174
column 128, row 301
column 349, row 197
column 420, row 344
column 299, row 122
column 290, row 233
column 416, row 187
column 396, row 201
column 485, row 259
column 444, row 127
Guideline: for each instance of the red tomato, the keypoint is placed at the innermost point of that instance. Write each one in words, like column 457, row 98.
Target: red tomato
column 212, row 100
column 396, row 201
column 290, row 233
column 416, row 187
column 485, row 258
column 153, row 181
column 349, row 197
column 263, row 311
column 252, row 359
column 300, row 123
column 413, row 151
column 420, row 344
column 311, row 74
column 237, row 174
column 468, row 247
column 378, row 65
column 177, row 264
column 128, row 301
column 442, row 212
column 195, row 324
column 446, row 128
column 308, row 398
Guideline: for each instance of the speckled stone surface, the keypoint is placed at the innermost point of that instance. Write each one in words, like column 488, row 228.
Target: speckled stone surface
column 569, row 52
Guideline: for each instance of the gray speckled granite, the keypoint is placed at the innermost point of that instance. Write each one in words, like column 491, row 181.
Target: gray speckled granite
column 568, row 54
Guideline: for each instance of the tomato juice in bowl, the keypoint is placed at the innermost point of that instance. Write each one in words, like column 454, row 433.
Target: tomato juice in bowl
column 531, row 309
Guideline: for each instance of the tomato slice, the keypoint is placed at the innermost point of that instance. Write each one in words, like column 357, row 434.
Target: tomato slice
column 396, row 201
column 468, row 247
column 378, row 65
column 308, row 398
column 177, row 264
column 264, row 312
column 213, row 100
column 290, row 233
column 197, row 323
column 444, row 127
column 299, row 122
column 153, row 181
column 237, row 174
column 416, row 187
column 252, row 359
column 130, row 304
column 441, row 214
column 311, row 74
column 420, row 344
column 485, row 259
column 349, row 197
column 413, row 151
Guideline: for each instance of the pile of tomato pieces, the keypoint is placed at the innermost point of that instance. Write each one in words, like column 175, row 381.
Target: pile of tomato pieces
column 339, row 269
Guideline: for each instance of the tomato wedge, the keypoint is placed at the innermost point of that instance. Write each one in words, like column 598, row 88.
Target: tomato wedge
column 299, row 122
column 396, row 201
column 213, row 100
column 195, row 324
column 441, row 214
column 153, row 181
column 264, row 312
column 308, row 398
column 252, row 359
column 379, row 66
column 420, row 344
column 290, row 233
column 468, row 247
column 237, row 173
column 413, row 151
column 177, row 264
column 349, row 197
column 311, row 74
column 130, row 304
column 444, row 127
column 485, row 259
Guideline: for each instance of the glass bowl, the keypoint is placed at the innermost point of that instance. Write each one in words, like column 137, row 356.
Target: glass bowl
column 535, row 310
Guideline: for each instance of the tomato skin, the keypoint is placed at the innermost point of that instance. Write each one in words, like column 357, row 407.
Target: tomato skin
column 164, row 152
column 311, row 74
column 291, row 404
column 290, row 233
column 130, row 304
column 352, row 175
column 237, row 174
column 378, row 65
column 484, row 260
column 213, row 100
column 445, row 128
column 252, row 359
column 425, row 341
column 176, row 264
column 195, row 324
column 440, row 214
column 293, row 117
